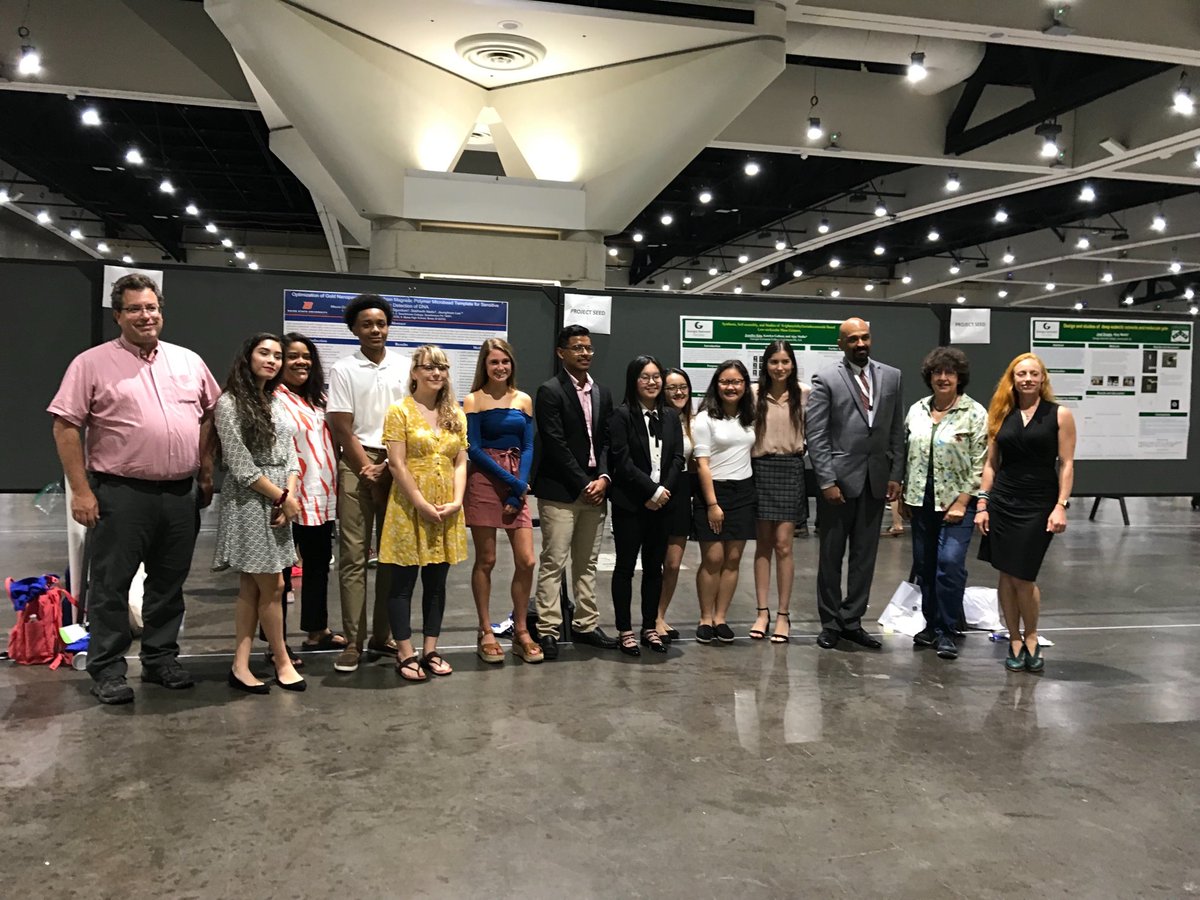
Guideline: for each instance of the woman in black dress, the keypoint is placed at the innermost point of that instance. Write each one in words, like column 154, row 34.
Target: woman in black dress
column 1024, row 496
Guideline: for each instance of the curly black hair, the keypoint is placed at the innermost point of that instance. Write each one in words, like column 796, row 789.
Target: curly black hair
column 946, row 359
column 366, row 301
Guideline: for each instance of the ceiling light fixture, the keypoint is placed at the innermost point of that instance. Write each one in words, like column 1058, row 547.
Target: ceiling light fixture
column 102, row 247
column 1182, row 101
column 1008, row 259
column 43, row 217
column 869, row 286
column 253, row 266
column 705, row 196
column 1083, row 243
column 1002, row 293
column 1158, row 223
column 687, row 279
column 835, row 263
column 955, row 268
column 638, row 237
column 1194, row 309
column 743, row 259
column 90, row 116
column 916, row 67
column 751, row 168
column 166, row 187
column 952, row 183
column 134, row 157
column 613, row 251
column 765, row 282
column 1078, row 305
column 30, row 62
column 1176, row 267
column 240, row 254
column 797, row 273
column 666, row 218
column 1051, row 286
column 666, row 286
column 1048, row 132
column 3, row 196
column 1188, row 294
column 737, row 289
column 1087, row 193
column 76, row 234
column 960, row 299
column 713, row 270
column 880, row 209
column 127, row 259
column 226, row 243
column 211, row 227
column 835, row 293
column 191, row 209
column 1001, row 216
column 906, row 278
column 781, row 244
column 823, row 226
column 1107, row 277
column 815, row 132
column 1196, row 160
column 934, row 235
column 1128, row 300
column 880, row 249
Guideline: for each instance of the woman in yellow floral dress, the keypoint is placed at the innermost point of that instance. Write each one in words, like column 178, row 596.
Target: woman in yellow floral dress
column 424, row 531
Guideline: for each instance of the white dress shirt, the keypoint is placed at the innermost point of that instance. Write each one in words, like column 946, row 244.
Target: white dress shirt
column 366, row 390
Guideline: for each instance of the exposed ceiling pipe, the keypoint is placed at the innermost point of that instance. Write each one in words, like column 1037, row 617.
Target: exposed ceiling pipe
column 948, row 62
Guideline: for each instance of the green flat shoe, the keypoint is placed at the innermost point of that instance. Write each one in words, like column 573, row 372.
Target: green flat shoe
column 1033, row 661
column 1018, row 662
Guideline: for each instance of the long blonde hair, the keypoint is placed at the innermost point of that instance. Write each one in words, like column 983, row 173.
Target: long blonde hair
column 1005, row 397
column 481, row 375
column 445, row 403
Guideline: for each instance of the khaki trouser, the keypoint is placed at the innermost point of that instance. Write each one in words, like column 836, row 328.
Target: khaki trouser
column 573, row 529
column 361, row 508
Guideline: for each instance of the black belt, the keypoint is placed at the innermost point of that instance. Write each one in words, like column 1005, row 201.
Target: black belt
column 173, row 484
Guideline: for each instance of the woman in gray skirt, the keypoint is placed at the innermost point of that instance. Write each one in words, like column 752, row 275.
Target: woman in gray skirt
column 778, row 461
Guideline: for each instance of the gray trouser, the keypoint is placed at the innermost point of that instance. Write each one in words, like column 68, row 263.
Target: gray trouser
column 141, row 522
column 856, row 521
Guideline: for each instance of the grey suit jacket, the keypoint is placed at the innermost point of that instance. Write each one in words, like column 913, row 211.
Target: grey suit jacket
column 845, row 450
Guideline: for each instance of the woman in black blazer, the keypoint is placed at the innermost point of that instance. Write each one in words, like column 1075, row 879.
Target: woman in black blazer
column 645, row 458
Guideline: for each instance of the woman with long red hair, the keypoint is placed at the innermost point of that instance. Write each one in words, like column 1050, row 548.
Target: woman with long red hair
column 1024, row 496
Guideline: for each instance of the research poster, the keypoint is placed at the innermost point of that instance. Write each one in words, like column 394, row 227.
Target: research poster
column 458, row 326
column 704, row 343
column 1129, row 383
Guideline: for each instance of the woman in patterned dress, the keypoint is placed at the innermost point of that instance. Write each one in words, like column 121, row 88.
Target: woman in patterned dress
column 258, row 505
column 423, row 531
column 946, row 434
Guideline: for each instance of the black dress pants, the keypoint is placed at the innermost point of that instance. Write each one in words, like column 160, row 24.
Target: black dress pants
column 141, row 522
column 314, row 544
column 643, row 532
column 403, row 580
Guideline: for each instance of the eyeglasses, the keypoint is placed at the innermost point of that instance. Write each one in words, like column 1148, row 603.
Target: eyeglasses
column 731, row 382
column 582, row 349
column 434, row 368
column 138, row 310
column 649, row 379
column 676, row 389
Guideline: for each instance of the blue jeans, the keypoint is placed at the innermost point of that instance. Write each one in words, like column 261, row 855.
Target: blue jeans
column 940, row 564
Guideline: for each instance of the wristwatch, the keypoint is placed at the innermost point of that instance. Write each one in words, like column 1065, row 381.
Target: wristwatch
column 1065, row 504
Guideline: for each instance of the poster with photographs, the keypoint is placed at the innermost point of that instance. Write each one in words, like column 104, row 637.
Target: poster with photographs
column 704, row 343
column 1129, row 383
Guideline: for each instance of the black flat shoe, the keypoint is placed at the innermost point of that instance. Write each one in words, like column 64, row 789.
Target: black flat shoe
column 652, row 639
column 627, row 644
column 238, row 685
column 704, row 634
column 724, row 633
column 672, row 634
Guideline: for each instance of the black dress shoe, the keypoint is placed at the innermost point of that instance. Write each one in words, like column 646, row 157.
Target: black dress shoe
column 238, row 685
column 860, row 637
column 596, row 638
column 828, row 638
column 926, row 637
column 704, row 634
column 169, row 674
column 549, row 647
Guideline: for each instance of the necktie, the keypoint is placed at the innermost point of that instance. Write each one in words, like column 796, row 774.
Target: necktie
column 865, row 391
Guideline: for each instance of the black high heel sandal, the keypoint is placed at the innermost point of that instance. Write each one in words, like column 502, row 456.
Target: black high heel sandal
column 783, row 638
column 758, row 634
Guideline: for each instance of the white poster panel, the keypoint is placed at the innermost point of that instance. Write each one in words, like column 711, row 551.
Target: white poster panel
column 593, row 313
column 1129, row 382
column 706, row 342
column 112, row 273
column 457, row 325
column 970, row 326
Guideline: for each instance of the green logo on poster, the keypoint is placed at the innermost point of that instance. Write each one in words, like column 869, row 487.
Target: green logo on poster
column 1180, row 335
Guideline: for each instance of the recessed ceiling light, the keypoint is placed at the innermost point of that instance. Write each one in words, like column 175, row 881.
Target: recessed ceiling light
column 916, row 68
column 880, row 249
column 666, row 218
column 1001, row 215
column 240, row 254
column 1107, row 277
column 934, row 235
column 960, row 299
column 705, row 197
column 906, row 278
column 127, row 259
column 797, row 273
column 869, row 286
column 743, row 259
column 737, row 289
column 713, row 270
column 835, row 293
column 1128, row 300
column 166, row 187
column 1087, row 193
column 834, row 263
column 612, row 251
column 1050, row 286
column 253, row 266
column 687, row 279
column 134, row 157
column 226, row 242
column 751, row 168
column 90, row 116
column 952, row 183
column 102, row 247
column 765, row 282
column 823, row 226
column 1002, row 293
column 638, row 237
column 211, row 227
column 1078, row 305
column 43, row 217
column 1083, row 243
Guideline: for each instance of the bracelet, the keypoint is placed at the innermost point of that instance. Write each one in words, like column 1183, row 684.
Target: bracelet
column 279, row 501
column 983, row 495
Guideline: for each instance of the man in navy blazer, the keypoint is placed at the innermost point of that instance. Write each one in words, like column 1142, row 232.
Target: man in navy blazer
column 571, row 483
column 856, row 443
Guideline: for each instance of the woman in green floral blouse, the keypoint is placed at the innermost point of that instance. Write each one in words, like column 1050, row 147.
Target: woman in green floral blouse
column 947, row 443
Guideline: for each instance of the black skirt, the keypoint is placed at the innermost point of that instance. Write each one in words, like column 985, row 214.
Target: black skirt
column 1017, row 538
column 678, row 511
column 779, row 483
column 738, row 501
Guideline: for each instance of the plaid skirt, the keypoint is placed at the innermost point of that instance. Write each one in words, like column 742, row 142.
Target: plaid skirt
column 779, row 481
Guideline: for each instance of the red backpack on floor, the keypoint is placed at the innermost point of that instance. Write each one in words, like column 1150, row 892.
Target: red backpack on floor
column 34, row 640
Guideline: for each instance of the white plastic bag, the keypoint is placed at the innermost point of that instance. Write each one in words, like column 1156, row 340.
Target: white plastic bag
column 981, row 608
column 136, row 588
column 903, row 612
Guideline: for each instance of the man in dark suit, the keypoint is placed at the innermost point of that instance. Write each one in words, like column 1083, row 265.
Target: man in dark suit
column 571, row 482
column 856, row 443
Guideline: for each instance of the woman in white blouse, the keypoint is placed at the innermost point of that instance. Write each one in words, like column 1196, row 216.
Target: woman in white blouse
column 725, row 509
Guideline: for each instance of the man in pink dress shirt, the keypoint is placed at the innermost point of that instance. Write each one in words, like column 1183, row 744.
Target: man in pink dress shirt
column 145, row 407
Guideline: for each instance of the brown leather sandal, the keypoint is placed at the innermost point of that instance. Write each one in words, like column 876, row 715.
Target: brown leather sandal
column 525, row 648
column 490, row 652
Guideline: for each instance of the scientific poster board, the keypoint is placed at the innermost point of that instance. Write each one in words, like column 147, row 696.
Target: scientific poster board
column 704, row 343
column 1128, row 381
column 457, row 325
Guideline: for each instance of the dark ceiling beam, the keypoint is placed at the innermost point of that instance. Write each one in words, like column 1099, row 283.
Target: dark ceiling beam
column 1055, row 97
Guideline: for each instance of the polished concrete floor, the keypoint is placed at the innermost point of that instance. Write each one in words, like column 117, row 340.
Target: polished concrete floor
column 750, row 770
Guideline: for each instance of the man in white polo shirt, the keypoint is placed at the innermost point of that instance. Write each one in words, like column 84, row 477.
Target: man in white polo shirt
column 361, row 388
